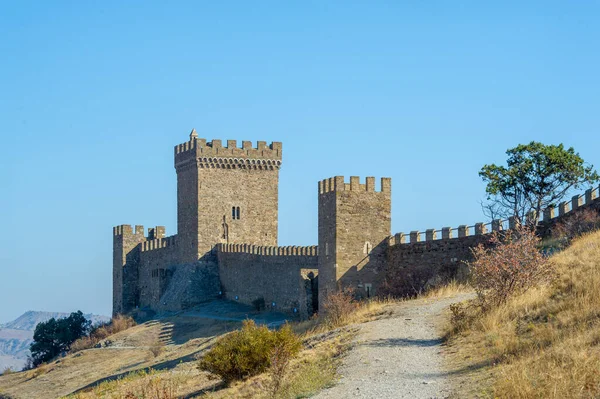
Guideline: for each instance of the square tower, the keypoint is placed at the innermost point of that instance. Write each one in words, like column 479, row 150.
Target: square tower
column 225, row 194
column 354, row 229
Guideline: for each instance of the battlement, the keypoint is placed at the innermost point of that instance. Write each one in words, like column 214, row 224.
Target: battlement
column 589, row 197
column 337, row 183
column 158, row 243
column 311, row 250
column 549, row 215
column 128, row 230
column 154, row 233
column 213, row 154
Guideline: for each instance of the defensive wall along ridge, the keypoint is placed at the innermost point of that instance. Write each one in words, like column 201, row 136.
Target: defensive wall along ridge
column 548, row 218
column 421, row 259
column 226, row 244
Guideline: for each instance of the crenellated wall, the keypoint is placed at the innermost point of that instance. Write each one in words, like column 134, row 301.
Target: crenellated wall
column 158, row 259
column 135, row 257
column 422, row 258
column 212, row 154
column 227, row 231
column 284, row 276
column 354, row 226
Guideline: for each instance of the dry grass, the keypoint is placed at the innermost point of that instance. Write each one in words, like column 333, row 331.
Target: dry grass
column 117, row 324
column 361, row 312
column 314, row 369
column 453, row 288
column 7, row 371
column 142, row 384
column 157, row 348
column 546, row 342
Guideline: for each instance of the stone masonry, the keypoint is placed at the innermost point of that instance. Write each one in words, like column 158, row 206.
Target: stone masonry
column 226, row 241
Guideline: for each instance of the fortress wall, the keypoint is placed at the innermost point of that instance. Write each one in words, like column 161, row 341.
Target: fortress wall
column 354, row 230
column 157, row 258
column 566, row 209
column 280, row 275
column 416, row 266
column 126, row 254
column 420, row 259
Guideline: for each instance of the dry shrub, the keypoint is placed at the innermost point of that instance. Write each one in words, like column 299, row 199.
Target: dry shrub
column 339, row 307
column 462, row 315
column 287, row 347
column 7, row 371
column 249, row 351
column 102, row 331
column 509, row 265
column 157, row 348
column 573, row 226
column 38, row 371
column 82, row 344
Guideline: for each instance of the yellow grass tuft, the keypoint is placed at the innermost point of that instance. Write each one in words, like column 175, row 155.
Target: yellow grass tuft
column 450, row 289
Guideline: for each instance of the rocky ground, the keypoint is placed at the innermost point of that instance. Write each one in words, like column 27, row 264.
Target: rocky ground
column 398, row 357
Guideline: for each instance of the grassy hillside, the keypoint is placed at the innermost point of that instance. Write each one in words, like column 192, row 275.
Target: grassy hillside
column 542, row 344
column 158, row 359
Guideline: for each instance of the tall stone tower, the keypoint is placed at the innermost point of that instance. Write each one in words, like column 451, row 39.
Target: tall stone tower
column 354, row 228
column 225, row 194
column 126, row 252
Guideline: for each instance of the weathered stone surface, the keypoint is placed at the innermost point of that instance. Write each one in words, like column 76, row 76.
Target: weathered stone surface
column 226, row 241
column 354, row 231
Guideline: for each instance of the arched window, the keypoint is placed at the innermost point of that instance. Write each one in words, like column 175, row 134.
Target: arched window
column 233, row 212
column 237, row 213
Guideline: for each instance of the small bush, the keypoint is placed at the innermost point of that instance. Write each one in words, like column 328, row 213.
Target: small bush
column 339, row 307
column 462, row 316
column 247, row 352
column 512, row 265
column 573, row 226
column 7, row 371
column 102, row 331
column 284, row 351
column 157, row 348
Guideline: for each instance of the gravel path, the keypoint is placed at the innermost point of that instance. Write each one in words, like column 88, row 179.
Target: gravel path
column 397, row 357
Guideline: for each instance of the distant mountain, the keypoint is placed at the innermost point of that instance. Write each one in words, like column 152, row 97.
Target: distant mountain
column 16, row 336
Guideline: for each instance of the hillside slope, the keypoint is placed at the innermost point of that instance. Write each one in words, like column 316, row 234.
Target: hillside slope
column 544, row 343
column 170, row 343
column 16, row 336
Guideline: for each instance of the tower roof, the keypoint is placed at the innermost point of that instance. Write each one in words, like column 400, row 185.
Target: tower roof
column 193, row 134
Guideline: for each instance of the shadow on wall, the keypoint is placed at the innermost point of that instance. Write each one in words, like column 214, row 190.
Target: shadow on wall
column 187, row 285
column 366, row 277
column 417, row 267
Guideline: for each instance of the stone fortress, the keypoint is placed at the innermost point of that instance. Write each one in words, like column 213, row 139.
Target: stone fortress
column 226, row 241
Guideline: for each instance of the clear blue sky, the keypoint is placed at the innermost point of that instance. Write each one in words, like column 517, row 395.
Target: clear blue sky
column 94, row 95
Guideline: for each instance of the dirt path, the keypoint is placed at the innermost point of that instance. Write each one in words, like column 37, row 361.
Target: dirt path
column 397, row 357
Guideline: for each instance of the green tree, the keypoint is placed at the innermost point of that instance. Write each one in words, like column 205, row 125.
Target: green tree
column 536, row 176
column 55, row 336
